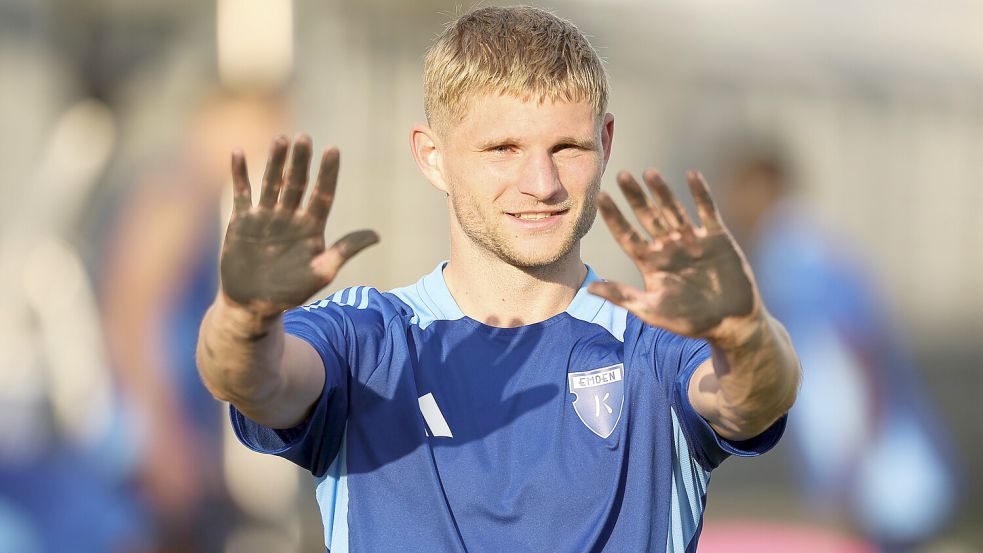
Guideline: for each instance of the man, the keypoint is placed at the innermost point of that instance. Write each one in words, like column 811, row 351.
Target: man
column 510, row 400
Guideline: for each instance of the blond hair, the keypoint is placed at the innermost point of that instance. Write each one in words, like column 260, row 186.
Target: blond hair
column 520, row 51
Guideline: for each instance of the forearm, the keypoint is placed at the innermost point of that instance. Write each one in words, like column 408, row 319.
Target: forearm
column 757, row 375
column 249, row 361
column 240, row 354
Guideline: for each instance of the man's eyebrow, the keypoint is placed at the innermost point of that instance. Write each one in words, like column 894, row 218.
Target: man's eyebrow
column 580, row 142
column 493, row 142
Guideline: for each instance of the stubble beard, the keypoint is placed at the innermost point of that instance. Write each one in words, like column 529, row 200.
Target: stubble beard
column 481, row 229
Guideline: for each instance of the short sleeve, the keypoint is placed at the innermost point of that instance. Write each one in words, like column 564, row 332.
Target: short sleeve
column 684, row 356
column 315, row 442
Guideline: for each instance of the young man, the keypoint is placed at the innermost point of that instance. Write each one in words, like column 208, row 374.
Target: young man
column 510, row 400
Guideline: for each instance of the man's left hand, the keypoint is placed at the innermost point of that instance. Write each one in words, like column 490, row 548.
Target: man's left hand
column 697, row 281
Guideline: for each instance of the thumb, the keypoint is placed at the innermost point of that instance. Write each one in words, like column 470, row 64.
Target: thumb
column 327, row 264
column 636, row 302
column 616, row 293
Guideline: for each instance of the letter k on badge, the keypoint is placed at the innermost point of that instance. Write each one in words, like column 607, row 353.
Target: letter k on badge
column 600, row 397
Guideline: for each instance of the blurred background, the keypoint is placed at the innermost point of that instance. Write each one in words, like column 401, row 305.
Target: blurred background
column 844, row 142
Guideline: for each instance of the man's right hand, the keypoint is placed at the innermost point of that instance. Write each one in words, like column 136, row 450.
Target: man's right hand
column 274, row 257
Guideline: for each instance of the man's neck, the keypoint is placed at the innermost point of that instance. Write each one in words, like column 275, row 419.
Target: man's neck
column 496, row 293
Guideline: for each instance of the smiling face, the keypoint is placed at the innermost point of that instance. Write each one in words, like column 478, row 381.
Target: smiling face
column 522, row 176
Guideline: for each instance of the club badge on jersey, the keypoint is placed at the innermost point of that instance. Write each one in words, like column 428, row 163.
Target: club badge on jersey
column 600, row 395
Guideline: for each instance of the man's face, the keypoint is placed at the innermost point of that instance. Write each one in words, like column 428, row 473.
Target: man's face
column 522, row 175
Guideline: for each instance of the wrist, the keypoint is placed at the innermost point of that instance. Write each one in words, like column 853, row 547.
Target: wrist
column 742, row 332
column 242, row 320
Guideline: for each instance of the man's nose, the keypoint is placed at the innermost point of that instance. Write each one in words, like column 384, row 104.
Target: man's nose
column 540, row 177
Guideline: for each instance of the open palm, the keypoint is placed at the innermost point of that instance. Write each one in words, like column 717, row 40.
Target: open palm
column 274, row 257
column 696, row 278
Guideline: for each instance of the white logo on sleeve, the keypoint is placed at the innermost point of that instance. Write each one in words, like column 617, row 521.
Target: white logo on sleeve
column 436, row 424
column 600, row 395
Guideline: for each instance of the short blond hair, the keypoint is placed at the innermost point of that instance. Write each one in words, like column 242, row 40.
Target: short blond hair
column 520, row 51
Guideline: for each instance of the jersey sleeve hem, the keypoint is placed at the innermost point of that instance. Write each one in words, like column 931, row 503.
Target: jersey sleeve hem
column 263, row 439
column 712, row 447
column 291, row 443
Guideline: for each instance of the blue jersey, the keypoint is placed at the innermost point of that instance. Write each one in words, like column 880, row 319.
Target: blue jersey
column 436, row 432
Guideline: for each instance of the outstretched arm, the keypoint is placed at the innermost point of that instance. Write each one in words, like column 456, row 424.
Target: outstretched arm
column 698, row 284
column 273, row 259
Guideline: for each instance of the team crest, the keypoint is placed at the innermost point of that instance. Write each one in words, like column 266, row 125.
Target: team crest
column 600, row 396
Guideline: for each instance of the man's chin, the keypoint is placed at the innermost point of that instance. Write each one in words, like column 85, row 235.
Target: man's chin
column 533, row 256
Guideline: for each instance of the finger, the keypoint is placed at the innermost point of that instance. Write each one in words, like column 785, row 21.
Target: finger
column 672, row 210
column 709, row 217
column 242, row 196
column 273, row 176
column 327, row 181
column 617, row 293
column 647, row 213
column 300, row 164
column 625, row 234
column 331, row 260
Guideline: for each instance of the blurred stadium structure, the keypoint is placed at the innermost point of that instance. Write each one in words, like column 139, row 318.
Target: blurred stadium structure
column 879, row 102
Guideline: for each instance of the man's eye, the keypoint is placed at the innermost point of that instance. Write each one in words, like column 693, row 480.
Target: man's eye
column 502, row 148
column 566, row 147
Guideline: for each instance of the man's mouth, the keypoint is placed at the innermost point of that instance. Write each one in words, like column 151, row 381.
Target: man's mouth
column 536, row 215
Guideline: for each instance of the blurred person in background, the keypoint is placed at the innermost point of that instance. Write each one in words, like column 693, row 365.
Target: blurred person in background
column 874, row 452
column 160, row 277
column 61, row 483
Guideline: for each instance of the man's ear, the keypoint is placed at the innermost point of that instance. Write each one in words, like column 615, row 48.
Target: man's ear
column 427, row 154
column 607, row 135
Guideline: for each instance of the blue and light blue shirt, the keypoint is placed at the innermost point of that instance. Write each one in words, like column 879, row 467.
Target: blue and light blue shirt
column 438, row 433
